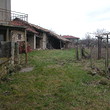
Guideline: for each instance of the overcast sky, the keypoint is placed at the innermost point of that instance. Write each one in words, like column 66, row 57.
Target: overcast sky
column 67, row 17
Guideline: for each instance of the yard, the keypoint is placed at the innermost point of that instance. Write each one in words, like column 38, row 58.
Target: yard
column 57, row 82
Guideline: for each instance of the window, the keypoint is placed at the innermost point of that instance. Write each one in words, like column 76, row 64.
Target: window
column 19, row 36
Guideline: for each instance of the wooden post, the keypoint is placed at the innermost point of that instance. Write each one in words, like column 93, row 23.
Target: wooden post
column 60, row 45
column 26, row 56
column 7, row 34
column 106, row 59
column 17, row 53
column 99, row 47
column 12, row 52
column 82, row 52
column 91, row 63
column 107, row 52
column 77, row 53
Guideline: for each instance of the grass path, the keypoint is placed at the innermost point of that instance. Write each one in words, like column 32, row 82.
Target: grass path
column 57, row 82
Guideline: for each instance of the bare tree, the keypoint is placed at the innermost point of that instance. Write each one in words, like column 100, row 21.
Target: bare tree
column 100, row 31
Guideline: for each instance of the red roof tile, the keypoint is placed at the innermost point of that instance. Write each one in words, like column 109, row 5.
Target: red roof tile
column 18, row 22
column 72, row 37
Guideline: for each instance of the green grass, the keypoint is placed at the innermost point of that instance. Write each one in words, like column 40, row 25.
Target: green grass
column 58, row 82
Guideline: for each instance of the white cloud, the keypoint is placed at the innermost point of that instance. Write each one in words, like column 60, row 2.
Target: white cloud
column 72, row 17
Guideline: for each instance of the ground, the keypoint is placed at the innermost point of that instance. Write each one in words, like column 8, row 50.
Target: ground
column 57, row 82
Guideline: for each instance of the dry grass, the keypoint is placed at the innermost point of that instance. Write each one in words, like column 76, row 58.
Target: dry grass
column 57, row 82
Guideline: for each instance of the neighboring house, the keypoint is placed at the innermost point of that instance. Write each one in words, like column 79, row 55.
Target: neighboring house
column 73, row 40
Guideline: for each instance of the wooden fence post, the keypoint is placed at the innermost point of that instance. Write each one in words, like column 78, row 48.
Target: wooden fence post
column 12, row 52
column 26, row 56
column 17, row 53
column 99, row 47
column 106, row 59
column 77, row 52
column 91, row 62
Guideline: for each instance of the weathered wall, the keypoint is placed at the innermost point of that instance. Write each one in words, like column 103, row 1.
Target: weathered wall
column 31, row 41
column 44, row 41
column 5, row 4
column 4, row 63
column 17, row 36
column 4, row 15
column 5, row 49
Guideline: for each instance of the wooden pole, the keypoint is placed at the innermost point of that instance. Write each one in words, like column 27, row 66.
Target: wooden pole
column 106, row 59
column 60, row 45
column 7, row 34
column 17, row 53
column 91, row 63
column 26, row 56
column 12, row 52
column 99, row 47
column 107, row 52
column 77, row 53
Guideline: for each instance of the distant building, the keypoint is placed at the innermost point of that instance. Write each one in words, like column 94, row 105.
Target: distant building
column 72, row 39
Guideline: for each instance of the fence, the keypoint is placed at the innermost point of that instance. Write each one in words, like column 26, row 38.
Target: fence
column 97, row 57
column 6, row 16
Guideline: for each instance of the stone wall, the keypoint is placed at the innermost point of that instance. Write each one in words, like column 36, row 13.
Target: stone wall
column 17, row 36
column 5, row 49
column 4, row 64
column 31, row 41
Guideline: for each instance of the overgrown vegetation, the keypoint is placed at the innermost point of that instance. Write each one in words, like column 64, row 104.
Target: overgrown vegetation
column 57, row 82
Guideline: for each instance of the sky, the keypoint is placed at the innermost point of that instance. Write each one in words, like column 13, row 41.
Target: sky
column 66, row 17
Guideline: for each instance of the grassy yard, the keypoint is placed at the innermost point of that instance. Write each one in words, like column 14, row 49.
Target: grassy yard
column 57, row 82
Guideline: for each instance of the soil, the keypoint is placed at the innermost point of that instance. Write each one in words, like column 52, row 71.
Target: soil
column 27, row 69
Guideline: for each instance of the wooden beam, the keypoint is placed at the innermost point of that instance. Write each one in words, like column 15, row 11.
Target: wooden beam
column 7, row 34
column 26, row 56
column 77, row 52
column 99, row 47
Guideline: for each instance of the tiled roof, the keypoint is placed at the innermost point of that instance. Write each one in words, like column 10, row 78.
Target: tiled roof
column 71, row 37
column 51, row 33
column 18, row 22
column 58, row 36
column 34, row 28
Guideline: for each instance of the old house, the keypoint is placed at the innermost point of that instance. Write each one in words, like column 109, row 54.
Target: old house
column 10, row 34
column 10, row 37
column 31, row 32
column 51, row 40
column 36, row 36
column 41, row 38
column 72, row 39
